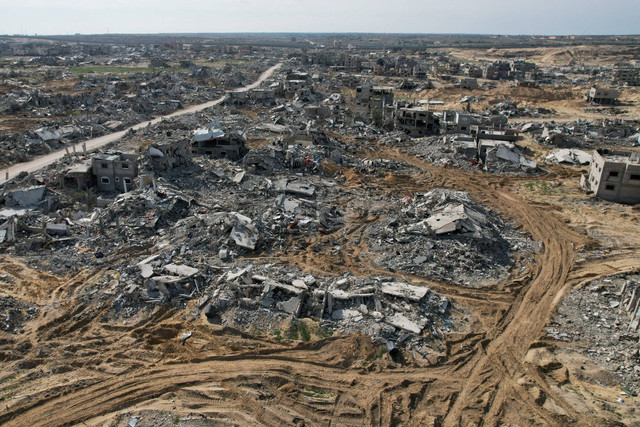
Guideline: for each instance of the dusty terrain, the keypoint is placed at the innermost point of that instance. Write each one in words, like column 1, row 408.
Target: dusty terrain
column 71, row 364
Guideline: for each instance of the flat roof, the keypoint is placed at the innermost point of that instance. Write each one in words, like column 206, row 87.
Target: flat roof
column 110, row 157
column 82, row 167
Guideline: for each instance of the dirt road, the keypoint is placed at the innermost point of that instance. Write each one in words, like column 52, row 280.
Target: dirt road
column 95, row 143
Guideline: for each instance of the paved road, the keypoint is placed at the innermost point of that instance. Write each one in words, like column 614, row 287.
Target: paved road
column 95, row 143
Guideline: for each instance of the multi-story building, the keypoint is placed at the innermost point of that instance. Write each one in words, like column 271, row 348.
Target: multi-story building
column 115, row 172
column 417, row 121
column 614, row 176
column 370, row 98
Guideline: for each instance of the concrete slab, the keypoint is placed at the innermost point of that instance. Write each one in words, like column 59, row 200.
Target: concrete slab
column 404, row 290
column 181, row 270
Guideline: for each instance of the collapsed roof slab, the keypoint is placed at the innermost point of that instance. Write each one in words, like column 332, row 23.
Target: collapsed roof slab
column 402, row 322
column 404, row 290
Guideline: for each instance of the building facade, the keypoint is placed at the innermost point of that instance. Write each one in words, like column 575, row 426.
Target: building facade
column 614, row 176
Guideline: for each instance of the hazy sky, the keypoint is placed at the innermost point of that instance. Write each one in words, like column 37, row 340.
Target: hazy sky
column 378, row 16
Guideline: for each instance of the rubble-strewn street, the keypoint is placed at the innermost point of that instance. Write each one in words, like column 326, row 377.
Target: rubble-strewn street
column 284, row 232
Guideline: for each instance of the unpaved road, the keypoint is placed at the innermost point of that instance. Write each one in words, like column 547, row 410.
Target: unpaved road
column 95, row 143
column 76, row 369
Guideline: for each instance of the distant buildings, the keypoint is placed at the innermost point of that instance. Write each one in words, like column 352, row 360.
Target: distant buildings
column 626, row 76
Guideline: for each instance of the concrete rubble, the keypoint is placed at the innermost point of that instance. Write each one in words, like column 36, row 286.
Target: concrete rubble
column 445, row 235
column 499, row 157
column 603, row 319
column 569, row 156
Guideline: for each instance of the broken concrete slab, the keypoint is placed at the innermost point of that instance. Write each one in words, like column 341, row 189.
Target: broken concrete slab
column 246, row 236
column 25, row 197
column 344, row 314
column 400, row 321
column 292, row 306
column 181, row 270
column 146, row 270
column 61, row 229
column 295, row 187
column 569, row 156
column 287, row 205
column 404, row 290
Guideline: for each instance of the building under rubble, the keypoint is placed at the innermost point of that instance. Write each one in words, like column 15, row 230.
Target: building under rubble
column 614, row 176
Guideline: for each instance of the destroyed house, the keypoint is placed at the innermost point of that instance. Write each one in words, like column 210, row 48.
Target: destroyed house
column 614, row 176
column 115, row 172
column 417, row 121
column 213, row 141
column 625, row 76
column 370, row 98
column 498, row 70
column 295, row 83
column 469, row 83
column 602, row 96
column 168, row 155
column 79, row 176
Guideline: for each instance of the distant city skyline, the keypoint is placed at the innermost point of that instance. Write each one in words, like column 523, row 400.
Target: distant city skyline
column 541, row 17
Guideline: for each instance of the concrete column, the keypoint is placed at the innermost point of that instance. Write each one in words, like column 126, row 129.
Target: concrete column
column 632, row 301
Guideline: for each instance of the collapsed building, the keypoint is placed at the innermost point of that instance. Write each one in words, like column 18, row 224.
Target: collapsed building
column 602, row 96
column 463, row 122
column 213, row 141
column 614, row 176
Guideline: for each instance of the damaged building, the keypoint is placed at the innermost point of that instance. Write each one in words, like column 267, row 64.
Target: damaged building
column 213, row 141
column 168, row 155
column 614, row 176
column 115, row 172
column 602, row 96
column 417, row 121
column 371, row 98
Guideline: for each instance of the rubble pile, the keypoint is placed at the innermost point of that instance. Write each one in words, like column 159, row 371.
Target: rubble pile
column 14, row 313
column 445, row 235
column 510, row 109
column 99, row 104
column 602, row 320
column 568, row 157
column 585, row 133
column 268, row 297
column 210, row 206
column 461, row 152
